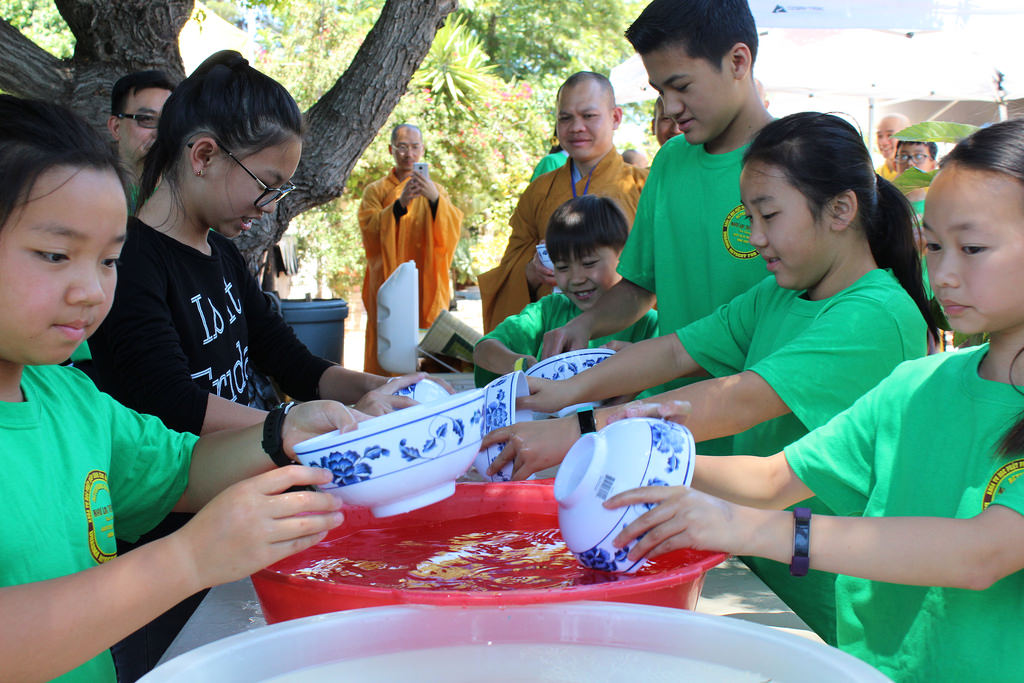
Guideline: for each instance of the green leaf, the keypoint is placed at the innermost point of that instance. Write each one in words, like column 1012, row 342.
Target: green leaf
column 913, row 179
column 936, row 131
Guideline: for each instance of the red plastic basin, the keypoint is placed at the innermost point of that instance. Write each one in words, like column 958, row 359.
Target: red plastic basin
column 283, row 595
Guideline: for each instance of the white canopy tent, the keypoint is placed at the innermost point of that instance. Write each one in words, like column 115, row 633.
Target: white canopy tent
column 860, row 56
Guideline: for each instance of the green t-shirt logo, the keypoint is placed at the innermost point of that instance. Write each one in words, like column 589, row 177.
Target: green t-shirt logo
column 1004, row 475
column 736, row 234
column 100, row 514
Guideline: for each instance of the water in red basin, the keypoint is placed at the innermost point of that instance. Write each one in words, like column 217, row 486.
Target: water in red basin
column 488, row 544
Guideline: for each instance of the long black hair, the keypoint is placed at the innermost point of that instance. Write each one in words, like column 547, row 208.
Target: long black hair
column 37, row 136
column 241, row 108
column 823, row 156
column 998, row 148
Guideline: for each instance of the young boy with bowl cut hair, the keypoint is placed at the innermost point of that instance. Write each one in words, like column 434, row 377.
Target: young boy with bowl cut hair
column 584, row 238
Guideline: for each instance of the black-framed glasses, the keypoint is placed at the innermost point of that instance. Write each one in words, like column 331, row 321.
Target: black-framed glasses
column 269, row 194
column 142, row 120
column 916, row 158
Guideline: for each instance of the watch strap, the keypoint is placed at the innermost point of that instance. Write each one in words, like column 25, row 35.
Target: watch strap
column 585, row 416
column 801, row 561
column 273, row 434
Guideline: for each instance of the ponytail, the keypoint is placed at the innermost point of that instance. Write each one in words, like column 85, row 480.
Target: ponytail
column 998, row 148
column 890, row 232
column 824, row 156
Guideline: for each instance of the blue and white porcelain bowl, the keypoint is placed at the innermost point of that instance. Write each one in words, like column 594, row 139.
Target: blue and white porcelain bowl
column 627, row 454
column 424, row 391
column 500, row 411
column 566, row 365
column 403, row 460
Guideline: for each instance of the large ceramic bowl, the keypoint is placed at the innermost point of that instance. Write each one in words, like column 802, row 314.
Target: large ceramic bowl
column 500, row 411
column 624, row 455
column 403, row 460
column 566, row 365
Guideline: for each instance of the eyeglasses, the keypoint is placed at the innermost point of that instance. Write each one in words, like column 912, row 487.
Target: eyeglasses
column 269, row 194
column 142, row 120
column 916, row 158
column 402, row 147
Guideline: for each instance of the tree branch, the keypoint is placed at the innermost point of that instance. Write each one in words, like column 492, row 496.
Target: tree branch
column 27, row 70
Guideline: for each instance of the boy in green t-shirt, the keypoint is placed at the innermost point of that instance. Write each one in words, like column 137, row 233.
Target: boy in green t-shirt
column 584, row 239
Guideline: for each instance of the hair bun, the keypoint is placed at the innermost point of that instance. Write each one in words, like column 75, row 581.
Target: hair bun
column 226, row 58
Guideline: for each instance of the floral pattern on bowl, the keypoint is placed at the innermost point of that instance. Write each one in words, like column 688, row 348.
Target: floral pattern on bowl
column 500, row 411
column 599, row 466
column 405, row 459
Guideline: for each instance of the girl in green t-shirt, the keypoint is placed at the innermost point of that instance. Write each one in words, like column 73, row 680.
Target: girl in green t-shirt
column 585, row 236
column 926, row 468
column 76, row 463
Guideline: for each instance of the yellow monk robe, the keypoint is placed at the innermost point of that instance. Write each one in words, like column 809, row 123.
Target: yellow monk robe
column 418, row 236
column 504, row 289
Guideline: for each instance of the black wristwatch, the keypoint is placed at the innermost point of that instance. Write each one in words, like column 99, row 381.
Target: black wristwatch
column 273, row 436
column 586, row 420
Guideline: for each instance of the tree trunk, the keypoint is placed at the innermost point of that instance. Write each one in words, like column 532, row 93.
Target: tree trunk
column 116, row 38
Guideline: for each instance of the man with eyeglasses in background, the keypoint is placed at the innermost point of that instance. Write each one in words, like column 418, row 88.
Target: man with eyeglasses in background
column 406, row 216
column 136, row 101
column 922, row 156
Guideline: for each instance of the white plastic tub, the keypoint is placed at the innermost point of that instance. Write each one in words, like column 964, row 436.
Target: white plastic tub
column 593, row 641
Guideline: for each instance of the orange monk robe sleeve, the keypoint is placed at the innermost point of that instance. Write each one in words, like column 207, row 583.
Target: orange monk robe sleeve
column 429, row 238
column 504, row 289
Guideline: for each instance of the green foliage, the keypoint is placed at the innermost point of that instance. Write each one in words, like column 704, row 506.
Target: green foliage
column 539, row 40
column 936, row 131
column 913, row 179
column 455, row 70
column 40, row 22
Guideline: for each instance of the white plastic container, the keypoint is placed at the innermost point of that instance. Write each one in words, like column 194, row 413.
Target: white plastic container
column 398, row 301
column 593, row 641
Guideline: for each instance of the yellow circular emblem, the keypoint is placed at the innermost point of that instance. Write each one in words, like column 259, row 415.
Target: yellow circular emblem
column 1006, row 474
column 736, row 234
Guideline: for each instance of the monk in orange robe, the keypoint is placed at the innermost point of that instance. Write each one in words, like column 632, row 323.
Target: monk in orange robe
column 406, row 216
column 587, row 119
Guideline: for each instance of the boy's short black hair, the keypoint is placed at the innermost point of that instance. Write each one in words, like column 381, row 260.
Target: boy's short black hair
column 933, row 148
column 133, row 83
column 706, row 29
column 581, row 225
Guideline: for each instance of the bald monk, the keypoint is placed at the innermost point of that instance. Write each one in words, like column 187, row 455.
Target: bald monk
column 406, row 216
column 887, row 127
column 586, row 119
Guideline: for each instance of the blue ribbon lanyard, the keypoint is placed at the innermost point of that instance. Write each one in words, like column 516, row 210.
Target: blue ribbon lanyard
column 572, row 172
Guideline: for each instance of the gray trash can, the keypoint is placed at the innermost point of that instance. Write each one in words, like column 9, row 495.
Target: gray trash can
column 319, row 324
